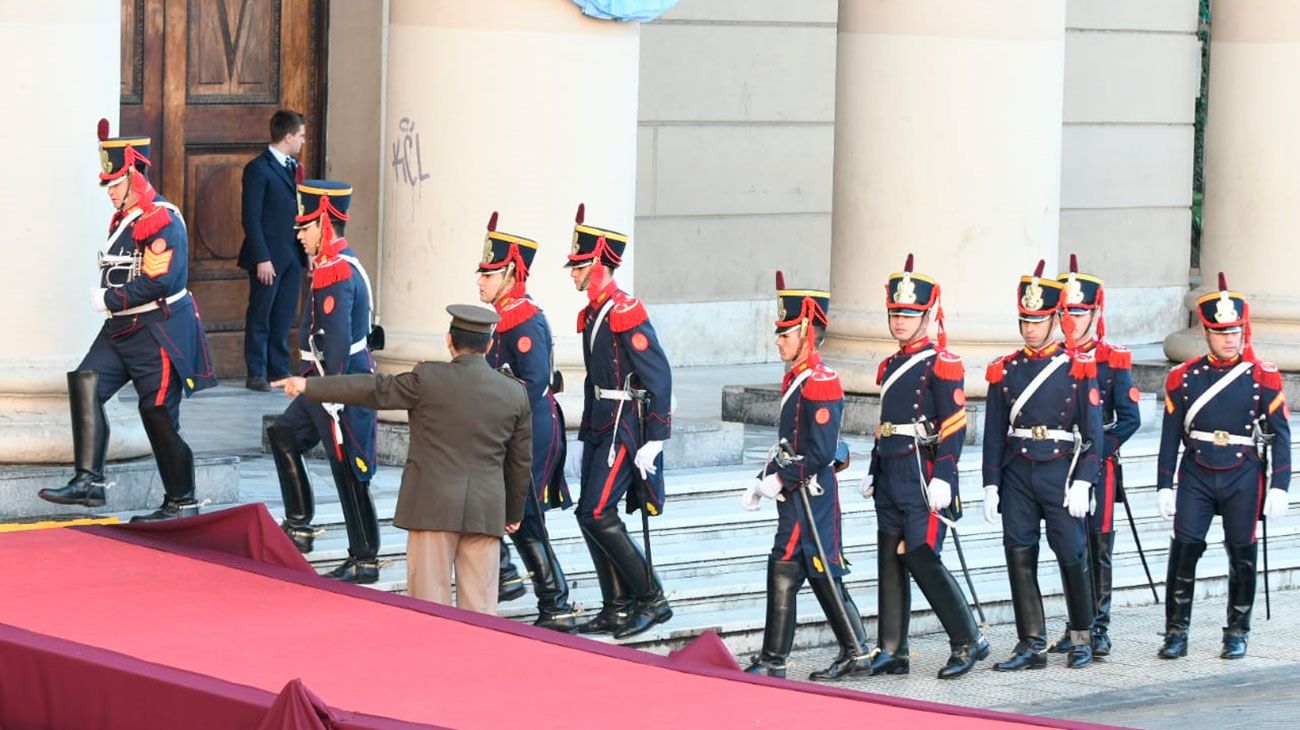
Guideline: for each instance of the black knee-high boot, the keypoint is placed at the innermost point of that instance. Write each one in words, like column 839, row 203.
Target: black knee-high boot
column 552, row 591
column 510, row 585
column 295, row 488
column 847, row 627
column 1027, row 601
column 1180, row 589
column 362, row 523
column 949, row 604
column 89, row 444
column 616, row 602
column 1078, row 602
column 175, row 466
column 651, row 607
column 783, row 580
column 1241, row 599
column 894, row 608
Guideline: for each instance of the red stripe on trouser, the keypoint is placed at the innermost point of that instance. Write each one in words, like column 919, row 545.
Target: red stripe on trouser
column 1108, row 510
column 609, row 482
column 932, row 530
column 161, row 398
column 1259, row 496
column 792, row 543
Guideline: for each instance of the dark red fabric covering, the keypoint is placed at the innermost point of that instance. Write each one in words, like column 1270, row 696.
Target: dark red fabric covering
column 706, row 651
column 131, row 628
column 248, row 531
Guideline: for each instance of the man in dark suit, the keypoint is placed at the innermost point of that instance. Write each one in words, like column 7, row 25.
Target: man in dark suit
column 469, row 466
column 270, row 253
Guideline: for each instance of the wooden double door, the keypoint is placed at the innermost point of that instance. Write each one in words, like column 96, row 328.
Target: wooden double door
column 202, row 78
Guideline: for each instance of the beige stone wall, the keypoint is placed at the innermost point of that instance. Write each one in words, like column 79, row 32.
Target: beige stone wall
column 735, row 152
column 354, row 117
column 1132, row 71
column 734, row 156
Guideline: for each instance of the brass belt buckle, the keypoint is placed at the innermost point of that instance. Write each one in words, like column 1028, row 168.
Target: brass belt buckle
column 886, row 429
column 1220, row 438
column 1039, row 432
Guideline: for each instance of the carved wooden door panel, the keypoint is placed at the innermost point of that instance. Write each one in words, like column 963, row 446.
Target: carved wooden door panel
column 229, row 64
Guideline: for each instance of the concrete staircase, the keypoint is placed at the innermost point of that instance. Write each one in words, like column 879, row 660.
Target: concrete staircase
column 711, row 554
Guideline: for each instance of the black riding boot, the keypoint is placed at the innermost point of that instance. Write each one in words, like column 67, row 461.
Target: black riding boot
column 89, row 444
column 1180, row 589
column 1102, row 550
column 783, row 580
column 1078, row 603
column 362, row 564
column 295, row 488
column 175, row 466
column 893, row 606
column 1027, row 601
column 846, row 626
column 651, row 607
column 553, row 608
column 616, row 603
column 1241, row 599
column 510, row 585
column 949, row 604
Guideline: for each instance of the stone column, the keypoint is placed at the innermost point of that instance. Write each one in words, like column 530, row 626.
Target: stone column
column 522, row 106
column 1252, row 155
column 947, row 144
column 55, row 217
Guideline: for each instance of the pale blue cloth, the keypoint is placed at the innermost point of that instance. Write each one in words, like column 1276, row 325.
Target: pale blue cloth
column 638, row 11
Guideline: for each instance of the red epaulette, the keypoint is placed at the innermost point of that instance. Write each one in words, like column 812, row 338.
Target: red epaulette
column 331, row 273
column 880, row 371
column 1083, row 365
column 627, row 313
column 1116, row 356
column 518, row 312
column 998, row 369
column 582, row 319
column 150, row 223
column 1175, row 379
column 823, row 384
column 948, row 365
column 1267, row 375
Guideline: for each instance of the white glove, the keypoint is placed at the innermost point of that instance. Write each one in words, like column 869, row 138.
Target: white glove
column 573, row 462
column 752, row 499
column 1165, row 503
column 1276, row 503
column 1076, row 498
column 938, row 494
column 97, row 299
column 769, row 486
column 645, row 457
column 991, row 504
column 867, row 486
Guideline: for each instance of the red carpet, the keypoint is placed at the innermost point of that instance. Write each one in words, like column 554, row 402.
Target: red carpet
column 257, row 626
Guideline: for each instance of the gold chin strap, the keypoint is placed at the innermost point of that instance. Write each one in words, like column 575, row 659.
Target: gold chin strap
column 501, row 290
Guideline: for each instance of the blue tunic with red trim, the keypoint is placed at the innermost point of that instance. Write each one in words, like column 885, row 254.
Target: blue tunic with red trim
column 1237, row 410
column 522, row 340
column 619, row 341
column 930, row 393
column 1121, row 418
column 811, row 410
column 159, row 239
column 332, row 341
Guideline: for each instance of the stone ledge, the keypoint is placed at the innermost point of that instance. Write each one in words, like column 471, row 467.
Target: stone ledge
column 694, row 443
column 137, row 486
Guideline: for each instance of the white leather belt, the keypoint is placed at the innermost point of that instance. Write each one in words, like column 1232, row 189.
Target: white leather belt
column 150, row 306
column 1221, row 438
column 887, row 429
column 607, row 394
column 1042, row 433
column 358, row 346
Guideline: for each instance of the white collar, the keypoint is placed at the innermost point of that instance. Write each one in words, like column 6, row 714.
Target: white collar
column 280, row 157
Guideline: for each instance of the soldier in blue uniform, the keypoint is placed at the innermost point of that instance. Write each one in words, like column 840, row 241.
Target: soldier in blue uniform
column 1084, row 302
column 332, row 340
column 913, row 477
column 522, row 347
column 626, row 417
column 812, row 406
column 1227, row 411
column 152, row 336
column 1042, row 455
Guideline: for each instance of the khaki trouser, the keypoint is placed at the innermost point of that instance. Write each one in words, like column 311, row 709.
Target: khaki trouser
column 433, row 556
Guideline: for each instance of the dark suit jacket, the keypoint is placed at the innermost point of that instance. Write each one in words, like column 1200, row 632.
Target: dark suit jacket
column 469, row 466
column 270, row 203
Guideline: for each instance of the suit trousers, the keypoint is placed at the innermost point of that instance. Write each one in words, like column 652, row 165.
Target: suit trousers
column 433, row 557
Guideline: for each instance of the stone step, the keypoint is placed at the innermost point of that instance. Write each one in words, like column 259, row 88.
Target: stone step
column 137, row 486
